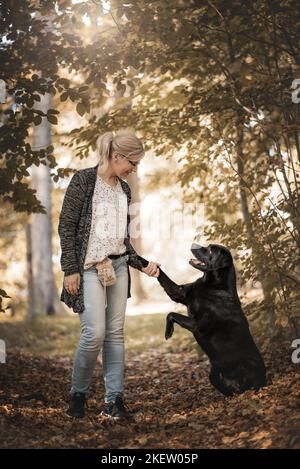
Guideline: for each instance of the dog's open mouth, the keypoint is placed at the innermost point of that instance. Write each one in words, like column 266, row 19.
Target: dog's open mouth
column 197, row 262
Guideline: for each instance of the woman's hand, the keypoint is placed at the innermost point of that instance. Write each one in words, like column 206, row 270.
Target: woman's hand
column 71, row 283
column 152, row 269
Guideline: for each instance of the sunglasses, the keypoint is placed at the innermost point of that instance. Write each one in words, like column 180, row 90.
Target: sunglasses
column 133, row 163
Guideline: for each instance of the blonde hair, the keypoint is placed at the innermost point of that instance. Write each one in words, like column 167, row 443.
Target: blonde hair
column 123, row 141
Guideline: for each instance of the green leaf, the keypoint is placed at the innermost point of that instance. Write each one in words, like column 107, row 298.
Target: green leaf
column 64, row 96
column 37, row 120
column 82, row 89
column 64, row 82
column 4, row 294
column 52, row 119
column 52, row 111
column 81, row 109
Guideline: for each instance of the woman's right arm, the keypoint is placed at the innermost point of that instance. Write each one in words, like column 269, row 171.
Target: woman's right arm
column 68, row 220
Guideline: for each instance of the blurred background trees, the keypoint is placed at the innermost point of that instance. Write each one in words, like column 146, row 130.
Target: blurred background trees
column 208, row 86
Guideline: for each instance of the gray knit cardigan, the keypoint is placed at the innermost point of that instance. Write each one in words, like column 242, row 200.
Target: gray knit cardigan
column 74, row 229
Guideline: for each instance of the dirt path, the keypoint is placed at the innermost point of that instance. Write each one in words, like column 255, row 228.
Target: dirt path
column 174, row 405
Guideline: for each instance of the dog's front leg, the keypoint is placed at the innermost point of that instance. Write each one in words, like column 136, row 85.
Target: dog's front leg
column 176, row 292
column 183, row 321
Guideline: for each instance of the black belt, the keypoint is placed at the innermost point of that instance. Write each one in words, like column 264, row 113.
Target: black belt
column 116, row 256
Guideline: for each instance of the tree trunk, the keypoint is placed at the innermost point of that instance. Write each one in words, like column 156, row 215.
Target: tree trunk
column 43, row 298
column 265, row 283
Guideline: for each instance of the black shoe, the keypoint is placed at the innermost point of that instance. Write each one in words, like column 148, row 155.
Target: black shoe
column 77, row 404
column 116, row 410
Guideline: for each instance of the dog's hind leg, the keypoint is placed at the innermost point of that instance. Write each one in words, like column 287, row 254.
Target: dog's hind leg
column 183, row 321
column 218, row 383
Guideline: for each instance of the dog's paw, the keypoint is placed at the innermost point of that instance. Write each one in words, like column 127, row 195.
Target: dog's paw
column 169, row 330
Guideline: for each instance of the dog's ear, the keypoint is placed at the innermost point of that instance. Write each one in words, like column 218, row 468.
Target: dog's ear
column 223, row 260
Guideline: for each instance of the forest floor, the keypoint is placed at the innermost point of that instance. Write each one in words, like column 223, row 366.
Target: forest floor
column 167, row 389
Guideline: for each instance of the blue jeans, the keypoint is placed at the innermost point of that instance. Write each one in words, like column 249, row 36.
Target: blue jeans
column 102, row 327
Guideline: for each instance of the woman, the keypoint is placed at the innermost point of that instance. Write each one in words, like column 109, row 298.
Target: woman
column 94, row 232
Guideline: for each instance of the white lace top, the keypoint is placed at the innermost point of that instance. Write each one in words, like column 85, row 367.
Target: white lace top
column 109, row 222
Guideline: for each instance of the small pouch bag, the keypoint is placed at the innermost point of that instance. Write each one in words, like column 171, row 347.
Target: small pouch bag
column 106, row 272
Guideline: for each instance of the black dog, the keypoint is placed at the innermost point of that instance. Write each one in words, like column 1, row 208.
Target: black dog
column 217, row 321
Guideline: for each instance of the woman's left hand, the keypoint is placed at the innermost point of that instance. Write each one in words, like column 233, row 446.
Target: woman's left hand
column 152, row 269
